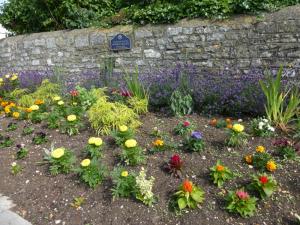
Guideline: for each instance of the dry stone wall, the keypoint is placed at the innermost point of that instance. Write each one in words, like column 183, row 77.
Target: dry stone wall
column 241, row 43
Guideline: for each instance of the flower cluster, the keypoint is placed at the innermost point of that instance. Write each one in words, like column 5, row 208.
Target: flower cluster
column 174, row 166
column 236, row 136
column 122, row 134
column 262, row 127
column 144, row 188
column 94, row 147
column 194, row 142
column 132, row 154
column 184, row 128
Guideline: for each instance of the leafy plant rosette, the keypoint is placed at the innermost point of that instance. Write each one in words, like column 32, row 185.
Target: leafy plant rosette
column 144, row 188
column 261, row 127
column 71, row 125
column 184, row 128
column 236, row 136
column 27, row 130
column 61, row 160
column 285, row 148
column 132, row 154
column 194, row 142
column 240, row 202
column 174, row 166
column 122, row 134
column 94, row 147
column 262, row 183
column 22, row 152
column 188, row 196
column 91, row 172
column 11, row 126
column 39, row 138
column 5, row 141
column 220, row 174
column 35, row 115
column 124, row 183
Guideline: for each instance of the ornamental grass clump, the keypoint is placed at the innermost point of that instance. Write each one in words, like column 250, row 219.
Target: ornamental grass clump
column 94, row 147
column 240, row 202
column 236, row 136
column 188, row 196
column 106, row 116
column 285, row 148
column 61, row 160
column 91, row 172
column 220, row 174
column 174, row 166
column 261, row 127
column 194, row 142
column 132, row 154
column 124, row 183
column 144, row 188
column 264, row 184
column 184, row 127
column 122, row 134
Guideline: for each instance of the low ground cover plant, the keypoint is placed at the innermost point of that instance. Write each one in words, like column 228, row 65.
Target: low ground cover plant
column 220, row 174
column 194, row 142
column 132, row 154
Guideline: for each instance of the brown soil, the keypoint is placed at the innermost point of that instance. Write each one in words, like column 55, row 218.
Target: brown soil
column 43, row 199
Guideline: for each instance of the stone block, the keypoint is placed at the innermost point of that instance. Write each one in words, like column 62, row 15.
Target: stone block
column 82, row 41
column 151, row 53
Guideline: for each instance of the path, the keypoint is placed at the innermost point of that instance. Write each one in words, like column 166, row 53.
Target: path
column 8, row 217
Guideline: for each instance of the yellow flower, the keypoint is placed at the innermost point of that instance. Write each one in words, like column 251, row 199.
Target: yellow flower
column 39, row 102
column 238, row 127
column 7, row 109
column 16, row 115
column 71, row 118
column 271, row 166
column 85, row 162
column 98, row 142
column 123, row 128
column 249, row 159
column 7, row 76
column 57, row 153
column 1, row 80
column 130, row 143
column 34, row 107
column 56, row 98
column 260, row 149
column 91, row 140
column 14, row 77
column 124, row 173
column 60, row 103
column 158, row 143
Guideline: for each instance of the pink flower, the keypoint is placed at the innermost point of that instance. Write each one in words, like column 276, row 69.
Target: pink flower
column 242, row 195
column 186, row 123
column 74, row 93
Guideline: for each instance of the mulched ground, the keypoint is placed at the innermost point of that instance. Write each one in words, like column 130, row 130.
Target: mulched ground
column 44, row 199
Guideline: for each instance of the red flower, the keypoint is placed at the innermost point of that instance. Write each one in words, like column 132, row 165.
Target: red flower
column 187, row 186
column 186, row 123
column 74, row 93
column 263, row 179
column 175, row 162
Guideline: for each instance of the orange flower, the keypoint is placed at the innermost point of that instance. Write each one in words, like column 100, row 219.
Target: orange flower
column 3, row 104
column 229, row 126
column 228, row 120
column 213, row 122
column 249, row 159
column 187, row 186
column 271, row 166
column 12, row 104
column 220, row 168
column 39, row 102
column 158, row 143
column 28, row 110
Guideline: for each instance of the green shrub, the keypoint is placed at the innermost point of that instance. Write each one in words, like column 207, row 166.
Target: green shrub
column 107, row 116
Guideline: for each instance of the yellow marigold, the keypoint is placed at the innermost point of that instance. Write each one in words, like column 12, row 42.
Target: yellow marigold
column 14, row 77
column 123, row 128
column 98, row 142
column 91, row 140
column 7, row 109
column 271, row 166
column 85, row 162
column 57, row 153
column 249, row 159
column 130, row 143
column 3, row 104
column 60, row 103
column 124, row 173
column 57, row 98
column 28, row 110
column 39, row 102
column 158, row 143
column 238, row 127
column 71, row 118
column 260, row 149
column 220, row 168
column 34, row 107
column 1, row 80
column 12, row 104
column 16, row 115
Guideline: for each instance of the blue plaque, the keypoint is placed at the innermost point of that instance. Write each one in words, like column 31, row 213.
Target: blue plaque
column 120, row 42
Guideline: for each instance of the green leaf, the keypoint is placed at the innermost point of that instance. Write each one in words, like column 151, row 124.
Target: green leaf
column 181, row 203
column 197, row 195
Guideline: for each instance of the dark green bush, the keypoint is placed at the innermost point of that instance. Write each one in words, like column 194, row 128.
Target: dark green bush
column 27, row 16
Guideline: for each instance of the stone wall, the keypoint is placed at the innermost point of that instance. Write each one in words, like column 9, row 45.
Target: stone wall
column 240, row 43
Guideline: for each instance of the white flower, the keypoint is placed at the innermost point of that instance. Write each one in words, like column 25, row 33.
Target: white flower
column 260, row 125
column 265, row 120
column 271, row 128
column 13, row 164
